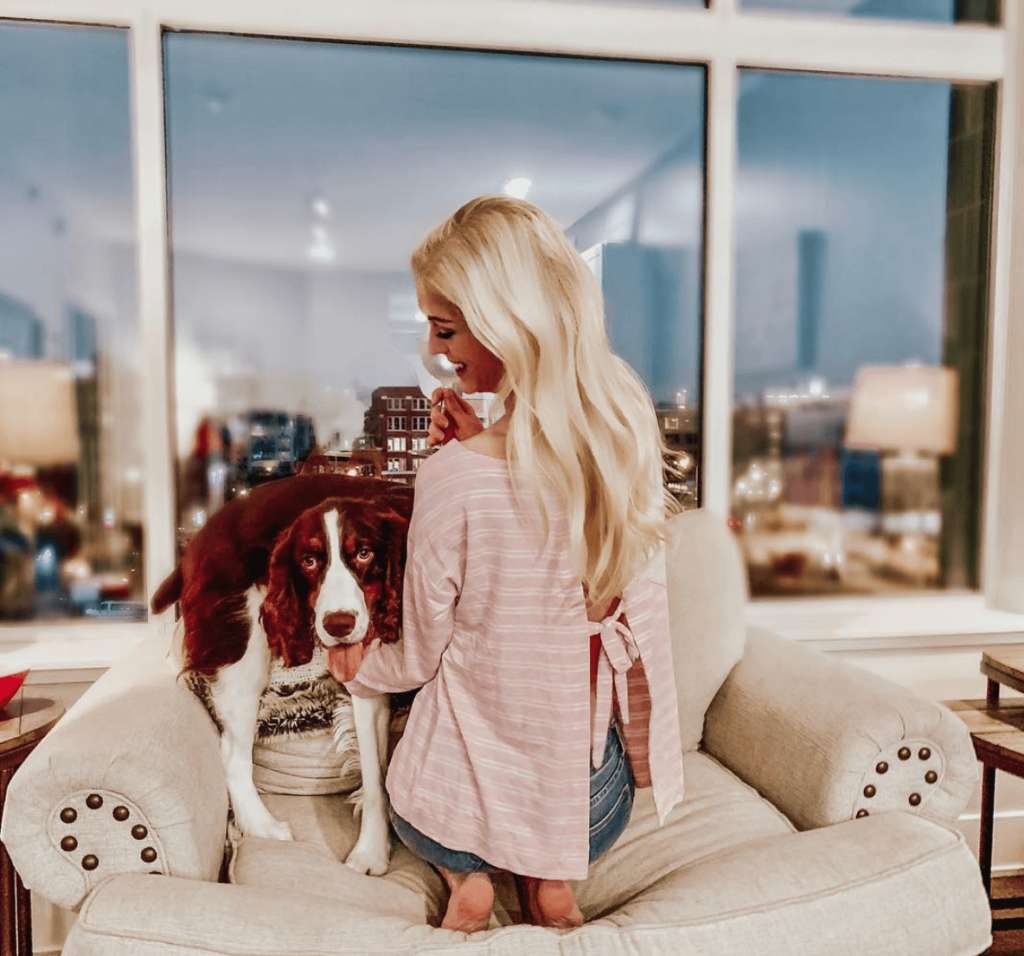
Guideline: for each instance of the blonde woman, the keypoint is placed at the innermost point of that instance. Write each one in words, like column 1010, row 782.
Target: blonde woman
column 527, row 539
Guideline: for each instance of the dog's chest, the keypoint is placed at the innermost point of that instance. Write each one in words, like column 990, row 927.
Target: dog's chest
column 297, row 701
column 300, row 700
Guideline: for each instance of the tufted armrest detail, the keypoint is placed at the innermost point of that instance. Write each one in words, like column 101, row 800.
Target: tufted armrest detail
column 130, row 780
column 826, row 741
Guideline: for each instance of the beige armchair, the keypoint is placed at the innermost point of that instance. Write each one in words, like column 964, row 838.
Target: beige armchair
column 819, row 818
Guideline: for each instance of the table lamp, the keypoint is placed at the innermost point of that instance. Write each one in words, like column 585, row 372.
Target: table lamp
column 38, row 428
column 38, row 422
column 909, row 414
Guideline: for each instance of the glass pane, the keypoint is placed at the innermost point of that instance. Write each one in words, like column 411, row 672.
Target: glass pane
column 303, row 174
column 863, row 210
column 932, row 11
column 70, row 438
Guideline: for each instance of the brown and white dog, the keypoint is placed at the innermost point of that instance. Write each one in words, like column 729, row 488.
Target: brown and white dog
column 315, row 558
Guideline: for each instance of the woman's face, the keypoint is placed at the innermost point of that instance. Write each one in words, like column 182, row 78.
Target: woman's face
column 479, row 369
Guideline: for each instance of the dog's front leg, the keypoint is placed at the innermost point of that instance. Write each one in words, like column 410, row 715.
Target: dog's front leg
column 372, row 850
column 236, row 695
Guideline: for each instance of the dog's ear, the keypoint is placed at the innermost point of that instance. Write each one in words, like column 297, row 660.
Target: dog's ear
column 285, row 615
column 387, row 621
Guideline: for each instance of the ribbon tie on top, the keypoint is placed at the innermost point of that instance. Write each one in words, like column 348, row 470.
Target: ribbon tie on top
column 618, row 652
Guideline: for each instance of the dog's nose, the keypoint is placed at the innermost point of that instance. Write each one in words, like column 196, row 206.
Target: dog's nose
column 339, row 623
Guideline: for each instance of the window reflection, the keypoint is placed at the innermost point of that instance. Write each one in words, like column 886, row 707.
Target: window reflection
column 70, row 442
column 862, row 216
column 303, row 174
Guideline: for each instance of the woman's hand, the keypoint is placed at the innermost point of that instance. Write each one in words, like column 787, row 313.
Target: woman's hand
column 458, row 420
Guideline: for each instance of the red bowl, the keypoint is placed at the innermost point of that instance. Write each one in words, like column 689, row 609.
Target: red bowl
column 9, row 684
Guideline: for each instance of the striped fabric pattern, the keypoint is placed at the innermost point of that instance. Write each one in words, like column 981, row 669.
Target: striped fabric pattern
column 495, row 758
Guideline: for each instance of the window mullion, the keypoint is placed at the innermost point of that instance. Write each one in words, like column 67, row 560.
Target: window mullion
column 1002, row 568
column 720, row 173
column 153, row 290
column 956, row 52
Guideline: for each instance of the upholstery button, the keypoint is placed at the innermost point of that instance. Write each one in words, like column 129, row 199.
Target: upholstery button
column 139, row 831
column 881, row 767
column 68, row 815
column 924, row 753
column 869, row 790
column 862, row 813
column 915, row 799
column 904, row 753
column 90, row 861
column 68, row 844
column 121, row 813
column 94, row 801
column 148, row 855
column 931, row 776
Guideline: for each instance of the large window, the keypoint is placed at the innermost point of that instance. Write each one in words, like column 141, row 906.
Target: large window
column 862, row 210
column 798, row 211
column 71, row 510
column 303, row 174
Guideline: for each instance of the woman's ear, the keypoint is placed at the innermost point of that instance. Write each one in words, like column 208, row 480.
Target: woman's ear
column 387, row 621
column 285, row 617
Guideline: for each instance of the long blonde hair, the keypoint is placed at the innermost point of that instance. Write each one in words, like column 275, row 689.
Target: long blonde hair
column 583, row 423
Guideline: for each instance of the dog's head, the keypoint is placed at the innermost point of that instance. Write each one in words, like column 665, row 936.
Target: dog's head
column 335, row 575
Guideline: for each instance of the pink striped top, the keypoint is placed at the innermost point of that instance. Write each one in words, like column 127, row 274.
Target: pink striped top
column 496, row 754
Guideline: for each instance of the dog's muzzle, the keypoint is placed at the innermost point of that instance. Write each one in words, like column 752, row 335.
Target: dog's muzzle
column 343, row 658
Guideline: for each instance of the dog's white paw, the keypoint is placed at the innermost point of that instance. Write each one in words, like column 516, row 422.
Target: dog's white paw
column 280, row 830
column 370, row 856
column 266, row 827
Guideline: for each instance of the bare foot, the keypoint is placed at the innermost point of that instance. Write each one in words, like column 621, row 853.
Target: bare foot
column 470, row 901
column 550, row 903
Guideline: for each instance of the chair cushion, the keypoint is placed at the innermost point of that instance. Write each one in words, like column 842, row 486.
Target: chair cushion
column 889, row 883
column 702, row 559
column 325, row 830
column 718, row 813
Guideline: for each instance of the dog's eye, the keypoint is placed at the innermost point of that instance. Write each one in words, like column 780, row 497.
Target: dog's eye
column 310, row 562
column 364, row 553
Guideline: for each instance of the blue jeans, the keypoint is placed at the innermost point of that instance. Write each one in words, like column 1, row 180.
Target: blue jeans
column 611, row 803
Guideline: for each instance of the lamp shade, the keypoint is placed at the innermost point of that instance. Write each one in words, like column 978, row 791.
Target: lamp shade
column 38, row 422
column 904, row 408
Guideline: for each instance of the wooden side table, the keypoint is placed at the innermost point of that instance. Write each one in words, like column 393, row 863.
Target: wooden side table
column 23, row 723
column 997, row 732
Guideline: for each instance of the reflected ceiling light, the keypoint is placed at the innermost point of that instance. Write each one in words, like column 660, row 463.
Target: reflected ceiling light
column 321, row 249
column 518, row 187
column 321, row 206
column 216, row 100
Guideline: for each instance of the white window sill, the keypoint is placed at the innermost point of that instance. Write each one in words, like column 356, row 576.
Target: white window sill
column 81, row 650
column 61, row 652
column 957, row 619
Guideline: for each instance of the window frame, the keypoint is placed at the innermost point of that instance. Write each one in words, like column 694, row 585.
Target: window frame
column 724, row 39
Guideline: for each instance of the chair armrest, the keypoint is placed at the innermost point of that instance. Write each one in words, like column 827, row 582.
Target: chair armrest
column 826, row 741
column 137, row 739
